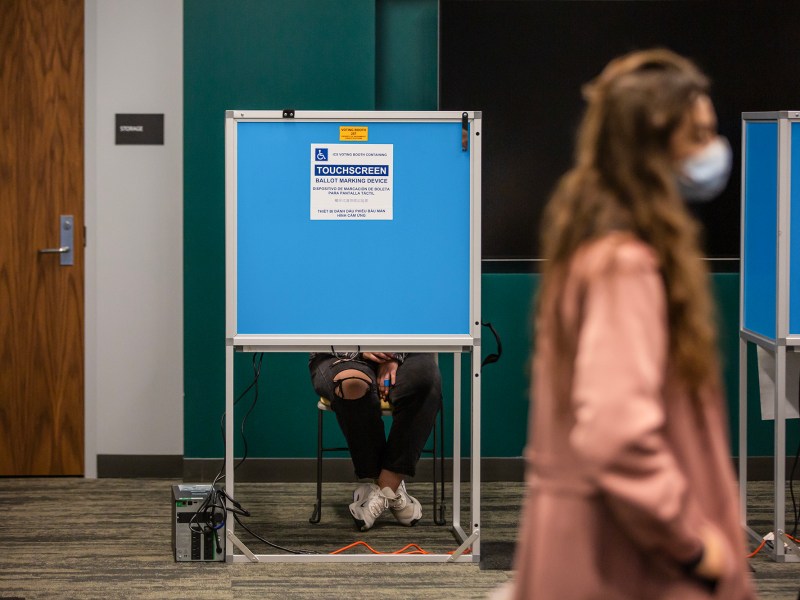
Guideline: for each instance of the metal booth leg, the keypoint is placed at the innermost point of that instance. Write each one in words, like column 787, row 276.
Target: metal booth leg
column 784, row 550
column 317, row 514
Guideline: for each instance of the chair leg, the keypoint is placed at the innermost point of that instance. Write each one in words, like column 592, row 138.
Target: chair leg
column 438, row 516
column 317, row 514
column 434, row 454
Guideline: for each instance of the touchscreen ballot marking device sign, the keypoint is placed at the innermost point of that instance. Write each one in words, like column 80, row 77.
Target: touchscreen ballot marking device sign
column 356, row 231
column 352, row 183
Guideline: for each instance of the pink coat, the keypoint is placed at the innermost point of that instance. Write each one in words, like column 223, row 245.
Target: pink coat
column 621, row 478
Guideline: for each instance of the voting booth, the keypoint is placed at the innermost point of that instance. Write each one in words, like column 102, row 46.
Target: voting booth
column 770, row 282
column 356, row 231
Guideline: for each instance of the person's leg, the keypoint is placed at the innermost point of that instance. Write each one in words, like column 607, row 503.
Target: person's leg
column 350, row 387
column 389, row 479
column 416, row 398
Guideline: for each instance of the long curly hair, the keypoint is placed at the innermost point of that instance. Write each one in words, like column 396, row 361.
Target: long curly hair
column 623, row 180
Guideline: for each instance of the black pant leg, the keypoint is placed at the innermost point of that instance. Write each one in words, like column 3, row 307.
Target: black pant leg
column 360, row 420
column 416, row 397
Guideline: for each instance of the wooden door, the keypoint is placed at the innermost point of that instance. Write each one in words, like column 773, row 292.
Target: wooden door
column 41, row 178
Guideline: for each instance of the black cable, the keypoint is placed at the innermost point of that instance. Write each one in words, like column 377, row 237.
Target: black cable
column 271, row 544
column 494, row 357
column 254, row 384
column 204, row 520
column 795, row 508
column 256, row 375
column 239, row 510
column 795, row 512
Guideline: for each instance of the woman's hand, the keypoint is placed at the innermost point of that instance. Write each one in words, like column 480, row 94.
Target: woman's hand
column 712, row 565
column 378, row 357
column 387, row 374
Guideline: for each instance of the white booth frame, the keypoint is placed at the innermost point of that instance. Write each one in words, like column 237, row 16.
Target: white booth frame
column 784, row 549
column 468, row 533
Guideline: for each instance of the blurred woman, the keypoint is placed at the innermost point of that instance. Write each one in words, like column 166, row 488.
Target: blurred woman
column 630, row 488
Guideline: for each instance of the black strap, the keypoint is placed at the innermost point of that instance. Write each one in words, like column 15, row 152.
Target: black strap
column 494, row 357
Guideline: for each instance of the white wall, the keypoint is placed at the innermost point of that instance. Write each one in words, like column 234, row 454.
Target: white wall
column 134, row 214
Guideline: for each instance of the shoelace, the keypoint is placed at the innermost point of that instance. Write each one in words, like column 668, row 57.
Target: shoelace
column 377, row 504
column 399, row 503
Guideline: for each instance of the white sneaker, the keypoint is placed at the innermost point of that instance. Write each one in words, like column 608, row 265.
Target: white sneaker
column 369, row 503
column 363, row 490
column 405, row 508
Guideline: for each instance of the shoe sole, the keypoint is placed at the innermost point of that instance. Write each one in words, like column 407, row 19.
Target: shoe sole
column 413, row 520
column 362, row 526
column 358, row 497
column 410, row 523
column 360, row 523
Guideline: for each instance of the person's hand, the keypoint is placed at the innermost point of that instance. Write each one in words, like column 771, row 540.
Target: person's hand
column 387, row 373
column 712, row 565
column 378, row 357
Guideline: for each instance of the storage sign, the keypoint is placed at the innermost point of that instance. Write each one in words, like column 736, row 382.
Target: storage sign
column 139, row 129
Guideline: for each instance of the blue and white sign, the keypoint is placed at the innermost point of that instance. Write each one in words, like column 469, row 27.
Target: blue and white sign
column 352, row 182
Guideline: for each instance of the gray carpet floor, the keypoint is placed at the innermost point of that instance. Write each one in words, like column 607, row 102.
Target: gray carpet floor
column 111, row 538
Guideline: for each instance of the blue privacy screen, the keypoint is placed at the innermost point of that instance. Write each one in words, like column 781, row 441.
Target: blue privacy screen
column 406, row 276
column 760, row 227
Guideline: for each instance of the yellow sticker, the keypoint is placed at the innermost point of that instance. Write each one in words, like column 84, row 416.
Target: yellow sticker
column 353, row 134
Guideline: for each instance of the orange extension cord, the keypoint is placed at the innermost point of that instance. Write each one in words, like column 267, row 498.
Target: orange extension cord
column 764, row 542
column 416, row 549
column 407, row 549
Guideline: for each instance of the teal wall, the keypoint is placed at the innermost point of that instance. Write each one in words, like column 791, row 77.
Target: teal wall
column 353, row 55
column 258, row 54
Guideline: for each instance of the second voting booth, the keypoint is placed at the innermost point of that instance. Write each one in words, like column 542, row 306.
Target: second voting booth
column 356, row 231
column 770, row 283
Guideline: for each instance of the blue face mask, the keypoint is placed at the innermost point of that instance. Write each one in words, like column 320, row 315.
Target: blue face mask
column 704, row 175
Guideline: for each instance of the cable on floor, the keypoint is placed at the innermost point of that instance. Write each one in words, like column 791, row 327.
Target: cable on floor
column 764, row 543
column 407, row 549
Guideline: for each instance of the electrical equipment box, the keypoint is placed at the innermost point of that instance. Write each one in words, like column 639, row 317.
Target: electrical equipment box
column 197, row 534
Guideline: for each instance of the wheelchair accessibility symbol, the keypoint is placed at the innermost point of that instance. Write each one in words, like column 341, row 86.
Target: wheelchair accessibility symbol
column 321, row 154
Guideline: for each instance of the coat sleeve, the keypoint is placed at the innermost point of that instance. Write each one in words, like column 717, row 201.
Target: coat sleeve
column 618, row 402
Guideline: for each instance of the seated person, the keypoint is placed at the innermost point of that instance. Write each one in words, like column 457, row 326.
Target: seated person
column 355, row 383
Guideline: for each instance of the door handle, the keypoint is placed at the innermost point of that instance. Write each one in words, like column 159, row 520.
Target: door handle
column 64, row 249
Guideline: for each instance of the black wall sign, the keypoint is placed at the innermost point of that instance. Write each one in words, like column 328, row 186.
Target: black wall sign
column 139, row 129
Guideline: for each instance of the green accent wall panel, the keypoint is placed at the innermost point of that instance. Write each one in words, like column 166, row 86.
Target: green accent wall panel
column 407, row 53
column 248, row 54
column 507, row 300
column 275, row 54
